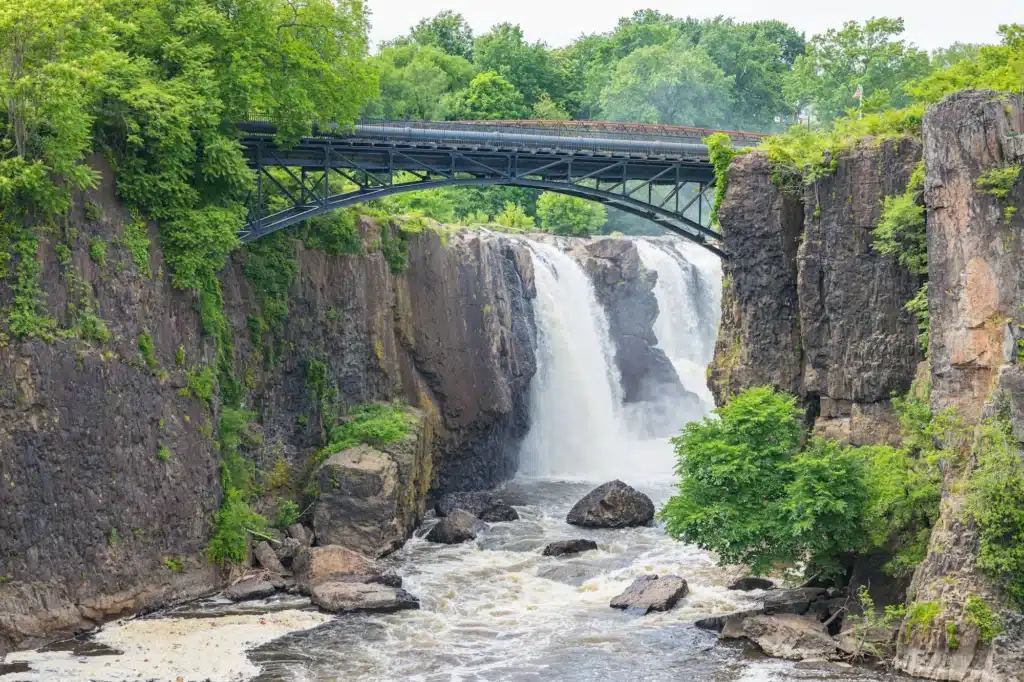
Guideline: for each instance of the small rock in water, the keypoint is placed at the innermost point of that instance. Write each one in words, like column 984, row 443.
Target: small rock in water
column 752, row 583
column 498, row 512
column 612, row 505
column 482, row 505
column 347, row 596
column 563, row 547
column 265, row 554
column 651, row 593
column 459, row 526
column 250, row 589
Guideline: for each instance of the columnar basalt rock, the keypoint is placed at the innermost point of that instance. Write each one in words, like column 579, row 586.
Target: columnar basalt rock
column 759, row 336
column 859, row 342
column 93, row 524
column 975, row 296
column 808, row 306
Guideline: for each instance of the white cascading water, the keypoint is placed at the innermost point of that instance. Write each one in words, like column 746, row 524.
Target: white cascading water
column 689, row 294
column 575, row 397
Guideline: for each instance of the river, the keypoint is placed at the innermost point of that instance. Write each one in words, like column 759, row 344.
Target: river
column 496, row 610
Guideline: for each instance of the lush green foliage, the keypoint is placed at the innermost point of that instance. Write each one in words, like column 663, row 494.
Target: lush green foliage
column 164, row 453
column 750, row 493
column 918, row 307
column 733, row 472
column 978, row 612
column 200, row 383
column 720, row 153
column 671, row 83
column 287, row 514
column 373, row 424
column 488, row 97
column 564, row 214
column 147, row 351
column 234, row 520
column 996, row 504
column 867, row 55
column 448, row 31
column 900, row 231
column 136, row 240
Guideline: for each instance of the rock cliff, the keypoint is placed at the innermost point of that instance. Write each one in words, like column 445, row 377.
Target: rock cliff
column 808, row 307
column 110, row 470
column 975, row 299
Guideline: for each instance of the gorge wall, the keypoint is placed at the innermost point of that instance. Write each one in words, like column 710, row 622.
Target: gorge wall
column 810, row 308
column 95, row 524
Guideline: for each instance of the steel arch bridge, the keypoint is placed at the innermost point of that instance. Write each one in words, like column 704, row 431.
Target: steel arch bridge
column 661, row 173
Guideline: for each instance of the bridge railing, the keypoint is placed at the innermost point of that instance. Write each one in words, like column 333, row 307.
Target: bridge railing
column 570, row 135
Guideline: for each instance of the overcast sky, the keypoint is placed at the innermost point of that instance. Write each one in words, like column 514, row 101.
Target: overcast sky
column 930, row 23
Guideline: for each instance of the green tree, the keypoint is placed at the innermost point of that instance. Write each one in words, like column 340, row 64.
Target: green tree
column 996, row 67
column 414, row 79
column 564, row 214
column 673, row 83
column 529, row 67
column 733, row 471
column 868, row 55
column 488, row 97
column 446, row 30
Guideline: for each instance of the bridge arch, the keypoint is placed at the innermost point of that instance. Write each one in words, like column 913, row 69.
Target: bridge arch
column 665, row 218
column 617, row 166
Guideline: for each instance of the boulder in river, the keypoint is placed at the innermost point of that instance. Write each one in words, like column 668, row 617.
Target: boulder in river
column 796, row 601
column 459, row 526
column 612, row 505
column 254, row 588
column 482, row 505
column 750, row 582
column 338, row 597
column 316, row 565
column 790, row 636
column 265, row 554
column 563, row 547
column 651, row 593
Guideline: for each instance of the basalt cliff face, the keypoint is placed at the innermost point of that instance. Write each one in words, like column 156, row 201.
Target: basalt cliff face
column 94, row 524
column 810, row 308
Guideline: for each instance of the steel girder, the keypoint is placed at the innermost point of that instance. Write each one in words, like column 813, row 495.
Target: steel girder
column 622, row 181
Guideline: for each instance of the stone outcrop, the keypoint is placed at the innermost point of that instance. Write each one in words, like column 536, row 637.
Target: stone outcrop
column 859, row 343
column 625, row 289
column 759, row 335
column 315, row 565
column 651, row 593
column 612, row 505
column 370, row 499
column 482, row 505
column 808, row 306
column 95, row 525
column 975, row 295
column 789, row 636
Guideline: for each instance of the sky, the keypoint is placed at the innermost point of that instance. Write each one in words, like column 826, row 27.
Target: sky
column 929, row 23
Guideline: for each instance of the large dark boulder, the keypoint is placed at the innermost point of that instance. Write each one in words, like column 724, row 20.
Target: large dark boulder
column 612, row 505
column 562, row 547
column 482, row 505
column 797, row 601
column 459, row 526
column 651, row 593
column 749, row 582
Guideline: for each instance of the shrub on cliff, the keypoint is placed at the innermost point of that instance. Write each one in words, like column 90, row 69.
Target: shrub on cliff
column 748, row 491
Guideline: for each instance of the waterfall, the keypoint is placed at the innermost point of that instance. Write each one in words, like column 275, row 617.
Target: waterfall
column 689, row 294
column 576, row 396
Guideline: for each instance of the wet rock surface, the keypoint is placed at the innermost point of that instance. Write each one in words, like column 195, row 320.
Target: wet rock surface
column 483, row 505
column 315, row 565
column 267, row 558
column 789, row 636
column 345, row 597
column 458, row 527
column 254, row 588
column 612, row 505
column 749, row 583
column 564, row 547
column 651, row 593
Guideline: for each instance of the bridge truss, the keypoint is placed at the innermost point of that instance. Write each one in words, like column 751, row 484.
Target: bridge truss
column 664, row 178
